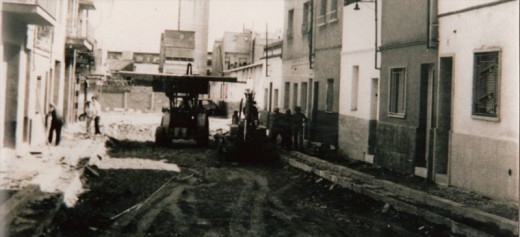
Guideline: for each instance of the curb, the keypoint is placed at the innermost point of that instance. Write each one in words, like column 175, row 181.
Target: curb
column 405, row 199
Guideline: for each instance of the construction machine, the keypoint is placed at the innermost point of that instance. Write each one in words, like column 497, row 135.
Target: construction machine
column 247, row 139
column 185, row 117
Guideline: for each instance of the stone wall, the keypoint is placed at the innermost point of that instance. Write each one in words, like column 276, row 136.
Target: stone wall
column 395, row 147
column 353, row 137
column 485, row 165
column 138, row 99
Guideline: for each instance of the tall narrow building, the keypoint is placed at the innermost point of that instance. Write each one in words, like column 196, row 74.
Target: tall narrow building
column 188, row 44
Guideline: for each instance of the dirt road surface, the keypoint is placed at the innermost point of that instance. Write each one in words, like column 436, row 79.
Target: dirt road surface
column 208, row 197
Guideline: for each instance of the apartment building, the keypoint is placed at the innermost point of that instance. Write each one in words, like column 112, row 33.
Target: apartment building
column 37, row 68
column 359, row 81
column 478, row 67
column 409, row 100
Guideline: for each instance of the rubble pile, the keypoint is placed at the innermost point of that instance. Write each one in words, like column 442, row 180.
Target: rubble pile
column 126, row 131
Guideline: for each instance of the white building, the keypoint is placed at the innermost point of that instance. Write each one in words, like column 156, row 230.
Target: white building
column 478, row 50
column 358, row 102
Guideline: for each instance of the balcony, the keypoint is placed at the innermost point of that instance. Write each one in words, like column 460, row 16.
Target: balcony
column 36, row 12
column 80, row 38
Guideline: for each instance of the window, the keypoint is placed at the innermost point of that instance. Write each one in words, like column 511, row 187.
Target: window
column 485, row 84
column 330, row 94
column 397, row 105
column 306, row 26
column 354, row 88
column 290, row 23
column 287, row 92
column 333, row 13
column 226, row 62
column 323, row 7
column 295, row 95
column 323, row 12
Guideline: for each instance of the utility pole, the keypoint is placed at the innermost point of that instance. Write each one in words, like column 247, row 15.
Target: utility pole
column 179, row 17
column 266, row 53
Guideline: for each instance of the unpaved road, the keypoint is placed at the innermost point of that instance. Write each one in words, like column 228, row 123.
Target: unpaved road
column 213, row 198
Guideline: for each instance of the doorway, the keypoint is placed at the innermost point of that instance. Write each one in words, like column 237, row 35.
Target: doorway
column 12, row 60
column 374, row 110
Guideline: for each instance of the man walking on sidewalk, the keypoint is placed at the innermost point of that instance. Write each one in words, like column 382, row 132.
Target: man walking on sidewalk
column 97, row 113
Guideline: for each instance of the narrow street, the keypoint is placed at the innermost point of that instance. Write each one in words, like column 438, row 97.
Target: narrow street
column 209, row 197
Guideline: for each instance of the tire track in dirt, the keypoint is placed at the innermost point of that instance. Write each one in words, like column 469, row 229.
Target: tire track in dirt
column 169, row 203
column 247, row 217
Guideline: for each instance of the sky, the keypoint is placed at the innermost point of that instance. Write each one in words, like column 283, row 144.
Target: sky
column 136, row 25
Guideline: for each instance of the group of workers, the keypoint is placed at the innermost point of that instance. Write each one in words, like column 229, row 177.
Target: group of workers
column 290, row 126
column 55, row 120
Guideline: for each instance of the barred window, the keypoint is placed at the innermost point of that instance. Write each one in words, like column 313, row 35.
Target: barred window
column 485, row 84
column 397, row 105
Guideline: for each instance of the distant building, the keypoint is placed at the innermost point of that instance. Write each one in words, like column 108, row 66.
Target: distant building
column 232, row 51
column 237, row 51
column 177, row 51
column 209, row 63
column 146, row 62
column 188, row 44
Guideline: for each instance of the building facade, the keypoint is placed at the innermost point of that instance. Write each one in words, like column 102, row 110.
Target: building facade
column 478, row 64
column 359, row 81
column 45, row 45
column 326, row 49
column 177, row 50
column 311, row 64
column 298, row 75
column 407, row 128
column 233, row 50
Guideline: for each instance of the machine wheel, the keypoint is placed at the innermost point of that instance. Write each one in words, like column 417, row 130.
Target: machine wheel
column 221, row 149
column 161, row 138
column 203, row 133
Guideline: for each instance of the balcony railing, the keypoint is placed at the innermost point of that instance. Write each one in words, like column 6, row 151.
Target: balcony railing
column 321, row 20
column 332, row 16
column 76, row 30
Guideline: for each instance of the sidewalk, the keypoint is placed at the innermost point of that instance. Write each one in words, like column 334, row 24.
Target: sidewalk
column 36, row 172
column 52, row 168
column 446, row 210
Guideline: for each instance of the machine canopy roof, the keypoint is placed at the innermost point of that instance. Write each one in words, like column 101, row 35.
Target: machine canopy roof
column 170, row 84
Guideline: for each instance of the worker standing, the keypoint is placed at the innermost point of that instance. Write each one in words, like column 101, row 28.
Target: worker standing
column 56, row 124
column 90, row 114
column 299, row 120
column 97, row 114
column 287, row 130
column 275, row 125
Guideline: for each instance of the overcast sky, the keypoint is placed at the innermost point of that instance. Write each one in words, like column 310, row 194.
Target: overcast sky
column 136, row 25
